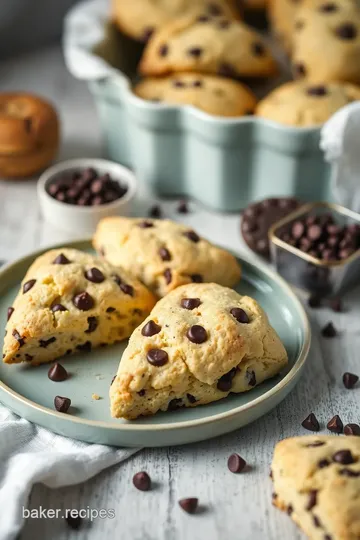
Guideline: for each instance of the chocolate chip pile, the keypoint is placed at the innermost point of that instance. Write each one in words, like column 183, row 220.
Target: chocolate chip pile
column 323, row 238
column 86, row 188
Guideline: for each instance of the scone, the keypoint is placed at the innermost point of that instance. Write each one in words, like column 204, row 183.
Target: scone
column 206, row 45
column 141, row 18
column 200, row 343
column 214, row 95
column 317, row 482
column 326, row 44
column 302, row 104
column 162, row 254
column 71, row 301
column 29, row 134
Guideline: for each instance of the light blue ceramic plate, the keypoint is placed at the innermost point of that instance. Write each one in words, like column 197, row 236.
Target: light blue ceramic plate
column 30, row 393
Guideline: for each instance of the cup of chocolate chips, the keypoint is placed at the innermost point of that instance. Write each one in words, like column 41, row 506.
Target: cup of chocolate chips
column 317, row 248
column 75, row 195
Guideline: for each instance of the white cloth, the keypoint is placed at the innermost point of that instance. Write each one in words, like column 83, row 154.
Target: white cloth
column 340, row 141
column 30, row 454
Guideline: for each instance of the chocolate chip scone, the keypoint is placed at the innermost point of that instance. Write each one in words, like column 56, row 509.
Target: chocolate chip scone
column 71, row 301
column 215, row 95
column 163, row 254
column 141, row 18
column 317, row 482
column 326, row 43
column 200, row 343
column 206, row 45
column 304, row 104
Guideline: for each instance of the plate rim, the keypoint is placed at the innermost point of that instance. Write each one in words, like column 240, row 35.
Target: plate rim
column 226, row 415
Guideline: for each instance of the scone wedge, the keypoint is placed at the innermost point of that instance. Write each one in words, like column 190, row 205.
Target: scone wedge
column 200, row 343
column 164, row 255
column 71, row 301
column 317, row 482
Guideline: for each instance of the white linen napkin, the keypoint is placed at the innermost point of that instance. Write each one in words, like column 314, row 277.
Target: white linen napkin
column 30, row 454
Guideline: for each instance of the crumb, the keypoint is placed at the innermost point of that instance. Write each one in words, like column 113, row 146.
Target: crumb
column 95, row 396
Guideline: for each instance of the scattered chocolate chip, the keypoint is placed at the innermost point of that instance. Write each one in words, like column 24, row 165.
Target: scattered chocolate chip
column 142, row 481
column 150, row 329
column 328, row 7
column 94, row 275
column 127, row 289
column 349, row 473
column 344, row 457
column 236, row 463
column 346, row 31
column 28, row 285
column 62, row 404
column 315, row 300
column 174, row 404
column 84, row 347
column 165, row 254
column 28, row 357
column 157, row 357
column 74, row 522
column 191, row 398
column 352, row 429
column 258, row 49
column 190, row 303
column 10, row 311
column 83, row 301
column 299, row 70
column 274, row 496
column 178, row 84
column 335, row 424
column 44, row 343
column 191, row 235
column 195, row 51
column 141, row 393
column 224, row 24
column 203, row 18
column 240, row 315
column 311, row 423
column 317, row 91
column 61, row 259
column 183, row 207
column 163, row 50
column 197, row 278
column 227, row 70
column 146, row 225
column 312, row 500
column 316, row 521
column 329, row 331
column 250, row 377
column 57, row 373
column 197, row 334
column 349, row 380
column 189, row 505
column 93, row 324
column 112, row 380
column 58, row 307
column 289, row 510
column 18, row 338
column 167, row 276
column 155, row 212
column 214, row 9
column 224, row 384
column 110, row 310
column 323, row 463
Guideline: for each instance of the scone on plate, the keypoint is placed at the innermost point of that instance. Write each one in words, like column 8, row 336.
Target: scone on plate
column 141, row 18
column 215, row 95
column 163, row 254
column 206, row 45
column 200, row 343
column 303, row 104
column 69, row 302
column 317, row 482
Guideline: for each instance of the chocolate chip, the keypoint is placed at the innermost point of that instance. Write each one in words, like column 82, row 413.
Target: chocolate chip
column 157, row 357
column 192, row 399
column 58, row 307
column 57, row 373
column 190, row 303
column 165, row 254
column 203, row 18
column 142, row 481
column 352, row 429
column 311, row 423
column 147, row 33
column 329, row 331
column 349, row 473
column 299, row 70
column 110, row 310
column 258, row 49
column 189, row 505
column 349, row 380
column 62, row 404
column 127, row 289
column 94, row 275
column 84, row 347
column 197, row 334
column 28, row 357
column 141, row 393
column 289, row 510
column 195, row 51
column 236, row 463
column 250, row 377
column 174, row 404
column 240, row 315
column 315, row 300
column 178, row 84
column 183, row 207
column 93, row 324
column 328, row 7
column 323, row 463
column 19, row 339
column 191, row 235
column 28, row 285
column 224, row 24
column 112, row 380
column 315, row 444
column 312, row 500
column 146, row 225
column 150, row 329
column 197, row 278
column 224, row 384
column 83, row 301
column 227, row 70
column 155, row 212
column 346, row 31
column 335, row 424
column 163, row 50
column 44, row 343
column 10, row 311
column 167, row 276
column 214, row 9
column 344, row 457
column 61, row 259
column 316, row 522
column 317, row 91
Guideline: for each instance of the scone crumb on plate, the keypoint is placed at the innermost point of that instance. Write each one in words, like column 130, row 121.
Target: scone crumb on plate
column 96, row 397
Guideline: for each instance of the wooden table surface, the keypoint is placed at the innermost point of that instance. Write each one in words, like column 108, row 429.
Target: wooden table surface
column 235, row 506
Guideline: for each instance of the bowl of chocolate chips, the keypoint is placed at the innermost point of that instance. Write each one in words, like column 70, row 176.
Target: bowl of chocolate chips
column 76, row 194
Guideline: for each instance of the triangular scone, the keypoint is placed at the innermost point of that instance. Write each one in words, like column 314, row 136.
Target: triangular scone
column 141, row 18
column 71, row 301
column 317, row 482
column 223, row 47
column 163, row 254
column 200, row 342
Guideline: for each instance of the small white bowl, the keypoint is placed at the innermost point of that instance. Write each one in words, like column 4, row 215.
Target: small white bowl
column 84, row 219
